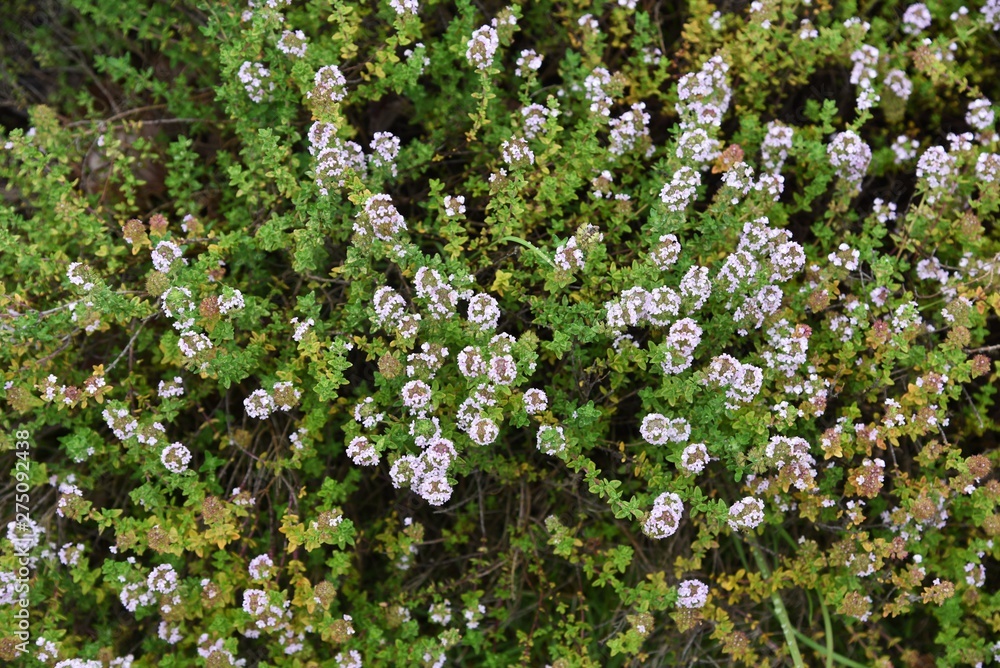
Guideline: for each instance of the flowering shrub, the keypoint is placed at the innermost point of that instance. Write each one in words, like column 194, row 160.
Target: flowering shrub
column 415, row 334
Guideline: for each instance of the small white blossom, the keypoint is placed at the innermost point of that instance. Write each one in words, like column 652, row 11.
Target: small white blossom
column 481, row 47
column 176, row 457
column 692, row 594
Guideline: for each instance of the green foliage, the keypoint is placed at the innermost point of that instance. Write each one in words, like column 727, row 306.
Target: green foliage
column 336, row 332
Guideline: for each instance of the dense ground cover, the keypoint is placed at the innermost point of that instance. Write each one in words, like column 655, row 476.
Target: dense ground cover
column 454, row 333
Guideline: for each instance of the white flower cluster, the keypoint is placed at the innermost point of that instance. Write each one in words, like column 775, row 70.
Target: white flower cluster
column 863, row 73
column 936, row 168
column 169, row 634
column 568, row 256
column 916, row 19
column 296, row 438
column 285, row 395
column 637, row 305
column 471, row 363
column 694, row 458
column 242, row 497
column 703, row 96
column 120, row 422
column 739, row 177
column 976, row 574
column 78, row 274
column 350, row 660
column 426, row 363
column 960, row 142
column 151, row 434
column 502, row 370
column 846, row 257
column 231, row 300
column 696, row 147
column 136, row 595
column 403, row 7
column 174, row 388
column 473, row 615
column 692, row 594
column 484, row 311
column 329, row 84
column 380, row 219
column 991, row 12
column 850, row 156
column 162, row 579
column 69, row 555
column 25, row 536
column 440, row 613
column 427, row 474
column 362, row 452
column 763, row 254
column 679, row 346
column 775, row 147
column 385, row 148
column 482, row 46
column 267, row 615
column 988, row 167
column 667, row 250
column 665, row 516
column 454, row 206
column 535, row 401
column 742, row 381
column 300, row 328
column 259, row 404
column 629, row 130
column 787, row 347
column 528, row 61
column 594, row 90
column 389, row 305
column 8, row 588
column 534, row 117
column 980, row 115
column 416, row 395
column 551, row 440
column 419, row 54
column 658, row 429
column 176, row 302
column 256, row 80
column 261, row 568
column 67, row 492
column 175, row 457
column 293, row 43
column 516, row 152
column 905, row 149
column 772, row 184
column 602, row 184
column 807, row 30
column 790, row 457
column 746, row 514
column 191, row 343
column 905, row 316
column 884, row 213
column 483, row 431
column 589, row 23
column 218, row 652
column 441, row 297
column 165, row 255
column 79, row 663
column 366, row 413
column 900, row 85
column 334, row 157
column 681, row 191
